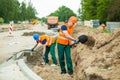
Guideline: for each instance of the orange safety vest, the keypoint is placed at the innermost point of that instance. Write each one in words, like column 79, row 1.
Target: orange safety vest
column 61, row 36
column 50, row 40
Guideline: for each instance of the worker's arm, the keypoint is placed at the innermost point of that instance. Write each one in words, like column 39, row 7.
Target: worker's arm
column 64, row 30
column 35, row 46
column 44, row 49
column 68, row 36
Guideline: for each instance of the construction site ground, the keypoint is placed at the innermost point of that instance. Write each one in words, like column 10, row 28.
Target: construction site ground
column 94, row 60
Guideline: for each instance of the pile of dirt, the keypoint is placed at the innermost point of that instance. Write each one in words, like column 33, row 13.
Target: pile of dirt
column 102, row 61
column 48, row 72
column 31, row 33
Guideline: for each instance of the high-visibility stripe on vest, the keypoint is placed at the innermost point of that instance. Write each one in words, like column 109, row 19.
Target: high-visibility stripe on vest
column 49, row 40
column 61, row 36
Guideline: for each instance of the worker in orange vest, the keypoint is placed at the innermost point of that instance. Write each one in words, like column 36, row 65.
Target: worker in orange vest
column 63, row 45
column 48, row 43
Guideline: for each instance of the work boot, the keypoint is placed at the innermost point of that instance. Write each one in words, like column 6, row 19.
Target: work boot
column 43, row 63
column 63, row 72
column 53, row 65
column 70, row 74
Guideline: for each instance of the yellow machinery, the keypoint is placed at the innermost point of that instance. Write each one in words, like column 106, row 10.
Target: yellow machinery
column 34, row 21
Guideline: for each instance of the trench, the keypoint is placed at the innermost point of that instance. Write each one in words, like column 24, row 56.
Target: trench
column 30, row 64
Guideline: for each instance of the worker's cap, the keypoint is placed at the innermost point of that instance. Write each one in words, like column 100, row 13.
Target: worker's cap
column 73, row 19
column 83, row 38
column 36, row 37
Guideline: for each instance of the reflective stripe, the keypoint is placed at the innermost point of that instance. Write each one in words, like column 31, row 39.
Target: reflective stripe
column 50, row 40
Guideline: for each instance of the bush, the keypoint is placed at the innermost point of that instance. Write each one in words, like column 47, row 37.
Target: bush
column 106, row 31
column 1, row 20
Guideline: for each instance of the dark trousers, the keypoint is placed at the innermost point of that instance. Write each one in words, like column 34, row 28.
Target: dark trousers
column 50, row 49
column 64, row 50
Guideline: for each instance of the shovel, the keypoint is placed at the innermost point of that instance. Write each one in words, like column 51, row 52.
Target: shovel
column 86, row 40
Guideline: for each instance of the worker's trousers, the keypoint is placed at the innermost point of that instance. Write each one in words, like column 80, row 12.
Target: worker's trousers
column 64, row 50
column 50, row 49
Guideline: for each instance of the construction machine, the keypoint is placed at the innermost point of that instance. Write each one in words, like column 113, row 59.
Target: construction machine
column 52, row 22
column 34, row 21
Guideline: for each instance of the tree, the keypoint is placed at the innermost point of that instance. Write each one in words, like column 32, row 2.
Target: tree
column 63, row 13
column 102, row 9
column 43, row 19
column 89, row 9
column 79, row 13
column 114, row 11
column 31, row 12
column 23, row 11
column 13, row 10
column 8, row 9
column 16, row 11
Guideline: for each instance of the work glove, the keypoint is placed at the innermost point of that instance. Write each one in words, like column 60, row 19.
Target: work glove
column 76, row 41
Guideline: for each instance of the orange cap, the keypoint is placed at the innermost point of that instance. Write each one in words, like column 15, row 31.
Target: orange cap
column 73, row 19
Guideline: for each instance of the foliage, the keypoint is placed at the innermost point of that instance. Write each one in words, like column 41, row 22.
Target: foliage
column 12, row 10
column 1, row 20
column 23, row 11
column 43, row 19
column 63, row 13
column 7, row 9
column 89, row 9
column 104, row 10
column 114, row 11
column 106, row 31
column 31, row 12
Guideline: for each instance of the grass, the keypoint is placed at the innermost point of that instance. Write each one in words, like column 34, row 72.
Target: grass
column 106, row 31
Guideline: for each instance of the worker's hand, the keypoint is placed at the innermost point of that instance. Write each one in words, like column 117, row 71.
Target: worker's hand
column 32, row 49
column 76, row 41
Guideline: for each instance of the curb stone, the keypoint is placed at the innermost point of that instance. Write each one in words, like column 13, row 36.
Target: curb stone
column 27, row 71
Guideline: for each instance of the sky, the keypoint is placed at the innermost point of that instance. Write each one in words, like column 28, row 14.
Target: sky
column 45, row 7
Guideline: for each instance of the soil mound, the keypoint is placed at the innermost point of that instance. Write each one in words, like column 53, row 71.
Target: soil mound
column 101, row 61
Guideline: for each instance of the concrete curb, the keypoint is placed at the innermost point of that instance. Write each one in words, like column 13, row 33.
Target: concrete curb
column 27, row 71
